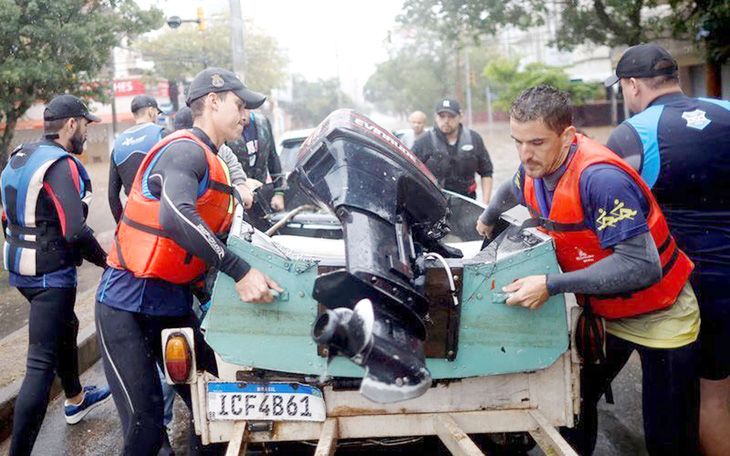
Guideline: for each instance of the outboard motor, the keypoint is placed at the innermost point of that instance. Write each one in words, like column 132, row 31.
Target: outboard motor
column 391, row 211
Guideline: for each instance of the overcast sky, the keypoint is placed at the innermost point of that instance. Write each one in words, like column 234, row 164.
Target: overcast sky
column 314, row 32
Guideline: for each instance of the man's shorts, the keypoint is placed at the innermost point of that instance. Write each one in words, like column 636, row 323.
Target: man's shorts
column 713, row 294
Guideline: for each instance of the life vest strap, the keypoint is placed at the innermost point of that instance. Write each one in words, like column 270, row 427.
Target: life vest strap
column 673, row 259
column 118, row 248
column 142, row 227
column 225, row 188
column 665, row 245
column 554, row 226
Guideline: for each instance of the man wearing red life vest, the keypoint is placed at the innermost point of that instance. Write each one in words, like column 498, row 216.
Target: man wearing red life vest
column 618, row 257
column 181, row 199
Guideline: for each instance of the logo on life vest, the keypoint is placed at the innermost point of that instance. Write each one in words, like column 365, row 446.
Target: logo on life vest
column 132, row 141
column 696, row 119
column 617, row 214
column 584, row 257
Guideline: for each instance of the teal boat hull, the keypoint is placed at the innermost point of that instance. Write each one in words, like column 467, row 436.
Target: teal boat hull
column 493, row 338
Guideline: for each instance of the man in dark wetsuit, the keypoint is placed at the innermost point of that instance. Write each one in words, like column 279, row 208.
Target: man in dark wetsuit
column 454, row 153
column 256, row 151
column 604, row 220
column 131, row 147
column 681, row 147
column 45, row 195
column 134, row 302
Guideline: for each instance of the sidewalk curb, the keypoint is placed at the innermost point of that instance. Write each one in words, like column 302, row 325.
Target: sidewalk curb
column 88, row 354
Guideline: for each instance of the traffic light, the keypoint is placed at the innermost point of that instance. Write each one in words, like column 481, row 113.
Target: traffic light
column 201, row 19
column 472, row 78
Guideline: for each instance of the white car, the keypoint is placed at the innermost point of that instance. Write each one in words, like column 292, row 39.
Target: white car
column 288, row 147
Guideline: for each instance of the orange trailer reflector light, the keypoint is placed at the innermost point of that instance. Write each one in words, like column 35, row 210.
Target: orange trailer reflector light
column 178, row 358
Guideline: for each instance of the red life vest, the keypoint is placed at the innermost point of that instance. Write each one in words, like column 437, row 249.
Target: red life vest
column 142, row 246
column 578, row 247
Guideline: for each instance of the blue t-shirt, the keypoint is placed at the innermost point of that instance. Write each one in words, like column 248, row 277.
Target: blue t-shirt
column 614, row 206
column 63, row 278
column 121, row 290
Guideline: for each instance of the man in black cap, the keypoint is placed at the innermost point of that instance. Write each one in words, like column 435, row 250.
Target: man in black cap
column 681, row 147
column 181, row 202
column 455, row 153
column 45, row 193
column 131, row 147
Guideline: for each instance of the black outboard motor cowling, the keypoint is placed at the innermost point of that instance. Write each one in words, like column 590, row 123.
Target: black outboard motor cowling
column 391, row 209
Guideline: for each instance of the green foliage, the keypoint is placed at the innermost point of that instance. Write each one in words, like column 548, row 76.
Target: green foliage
column 706, row 23
column 452, row 18
column 55, row 46
column 313, row 101
column 504, row 77
column 608, row 22
column 181, row 53
column 416, row 75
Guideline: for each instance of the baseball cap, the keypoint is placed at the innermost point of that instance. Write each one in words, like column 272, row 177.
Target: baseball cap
column 183, row 119
column 144, row 101
column 65, row 106
column 221, row 80
column 448, row 105
column 643, row 61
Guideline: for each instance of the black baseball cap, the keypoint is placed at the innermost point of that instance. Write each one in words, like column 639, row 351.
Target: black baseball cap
column 144, row 101
column 221, row 80
column 65, row 106
column 643, row 61
column 448, row 105
column 183, row 119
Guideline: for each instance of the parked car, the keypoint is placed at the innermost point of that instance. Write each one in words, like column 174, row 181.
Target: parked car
column 288, row 147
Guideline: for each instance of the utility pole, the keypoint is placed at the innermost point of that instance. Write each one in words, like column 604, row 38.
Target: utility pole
column 468, row 87
column 490, row 117
column 237, row 44
column 114, row 97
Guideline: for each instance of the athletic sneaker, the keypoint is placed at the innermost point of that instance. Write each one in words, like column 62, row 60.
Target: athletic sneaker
column 93, row 397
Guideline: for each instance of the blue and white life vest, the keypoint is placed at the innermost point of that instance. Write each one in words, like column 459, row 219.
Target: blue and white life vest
column 130, row 149
column 32, row 246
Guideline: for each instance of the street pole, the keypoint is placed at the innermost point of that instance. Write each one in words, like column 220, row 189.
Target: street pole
column 114, row 96
column 237, row 44
column 490, row 118
column 468, row 88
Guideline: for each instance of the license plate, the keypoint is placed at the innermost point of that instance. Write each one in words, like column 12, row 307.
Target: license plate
column 265, row 401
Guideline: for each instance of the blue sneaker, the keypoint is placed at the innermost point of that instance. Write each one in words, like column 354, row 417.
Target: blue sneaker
column 93, row 397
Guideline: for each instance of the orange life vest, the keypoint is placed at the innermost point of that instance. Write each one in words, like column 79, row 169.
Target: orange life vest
column 578, row 247
column 141, row 244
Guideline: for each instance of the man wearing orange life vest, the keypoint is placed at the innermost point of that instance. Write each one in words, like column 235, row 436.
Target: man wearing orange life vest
column 614, row 247
column 180, row 201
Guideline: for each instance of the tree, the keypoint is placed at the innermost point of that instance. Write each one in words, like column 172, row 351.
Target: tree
column 313, row 101
column 508, row 81
column 414, row 77
column 55, row 46
column 707, row 24
column 181, row 53
column 608, row 22
column 602, row 22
